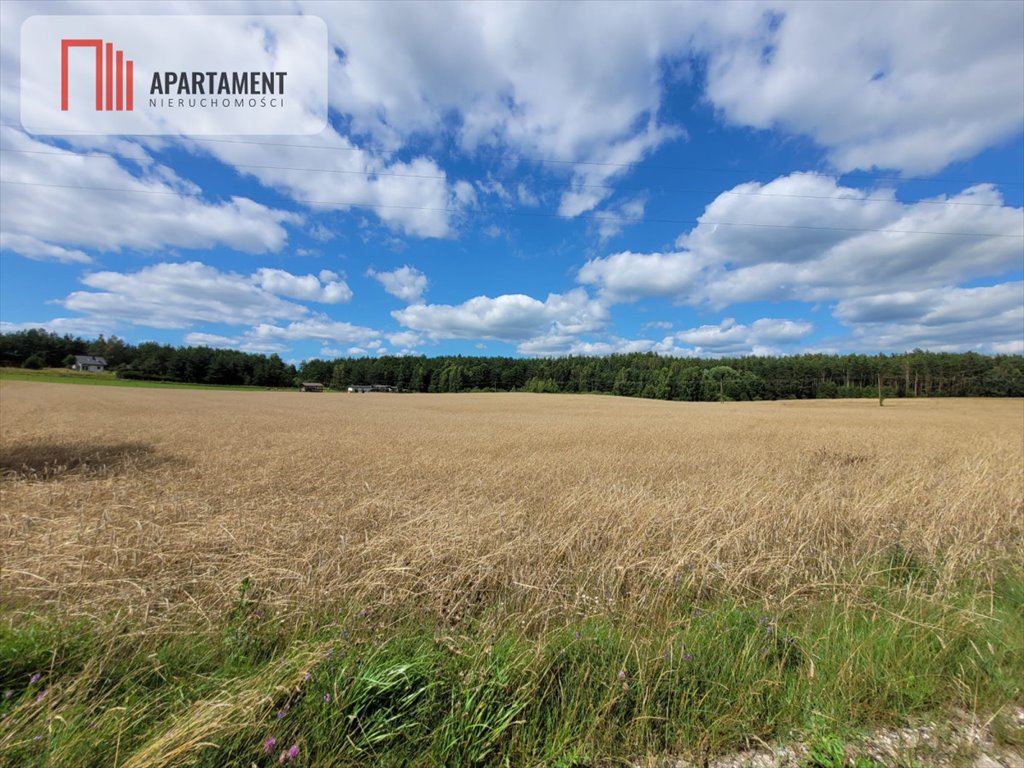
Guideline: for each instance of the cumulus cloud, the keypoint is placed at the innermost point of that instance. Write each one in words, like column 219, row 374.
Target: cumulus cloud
column 305, row 287
column 510, row 317
column 989, row 318
column 330, row 172
column 914, row 90
column 628, row 276
column 318, row 328
column 730, row 337
column 806, row 237
column 170, row 295
column 241, row 343
column 101, row 205
column 406, row 283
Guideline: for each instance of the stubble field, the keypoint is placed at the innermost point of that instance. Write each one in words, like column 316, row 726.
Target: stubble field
column 479, row 517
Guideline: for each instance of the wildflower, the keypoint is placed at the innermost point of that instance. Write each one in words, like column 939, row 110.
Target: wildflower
column 280, row 714
column 577, row 635
column 622, row 674
column 35, row 678
column 289, row 754
column 269, row 744
column 327, row 698
column 41, row 696
column 306, row 677
column 688, row 657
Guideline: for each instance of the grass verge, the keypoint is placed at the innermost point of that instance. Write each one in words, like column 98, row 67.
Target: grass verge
column 106, row 378
column 357, row 688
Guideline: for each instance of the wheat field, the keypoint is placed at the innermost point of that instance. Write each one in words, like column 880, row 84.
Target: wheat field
column 158, row 503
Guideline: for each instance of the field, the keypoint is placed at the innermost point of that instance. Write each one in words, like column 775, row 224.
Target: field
column 467, row 579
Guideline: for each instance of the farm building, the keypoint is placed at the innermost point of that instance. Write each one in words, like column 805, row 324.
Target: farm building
column 89, row 363
column 371, row 388
column 312, row 386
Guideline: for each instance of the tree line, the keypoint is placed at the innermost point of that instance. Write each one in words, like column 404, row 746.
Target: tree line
column 911, row 374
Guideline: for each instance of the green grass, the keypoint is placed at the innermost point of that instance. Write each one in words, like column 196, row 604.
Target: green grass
column 106, row 378
column 354, row 688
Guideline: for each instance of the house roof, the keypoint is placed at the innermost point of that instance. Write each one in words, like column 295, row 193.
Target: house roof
column 90, row 360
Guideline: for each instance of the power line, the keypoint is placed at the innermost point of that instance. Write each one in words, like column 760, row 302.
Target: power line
column 369, row 173
column 504, row 157
column 541, row 214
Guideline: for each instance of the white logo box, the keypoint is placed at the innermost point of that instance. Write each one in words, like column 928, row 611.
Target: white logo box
column 174, row 75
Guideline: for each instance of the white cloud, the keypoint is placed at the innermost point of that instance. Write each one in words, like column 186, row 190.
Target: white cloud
column 405, row 339
column 329, row 172
column 510, row 317
column 86, row 327
column 31, row 248
column 811, row 249
column 318, row 328
column 241, row 343
column 988, row 319
column 807, row 238
column 581, row 84
column 614, row 219
column 407, row 283
column 99, row 204
column 628, row 276
column 304, row 287
column 913, row 87
column 730, row 337
column 169, row 295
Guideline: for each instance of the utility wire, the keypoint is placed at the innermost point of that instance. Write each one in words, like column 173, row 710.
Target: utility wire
column 504, row 158
column 542, row 214
column 369, row 173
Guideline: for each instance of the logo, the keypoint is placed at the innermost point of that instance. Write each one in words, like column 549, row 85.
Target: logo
column 184, row 75
column 120, row 99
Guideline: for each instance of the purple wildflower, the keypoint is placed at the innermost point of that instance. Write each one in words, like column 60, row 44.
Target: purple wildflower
column 280, row 714
column 622, row 674
column 41, row 696
column 269, row 744
column 35, row 678
column 293, row 751
column 688, row 657
column 306, row 676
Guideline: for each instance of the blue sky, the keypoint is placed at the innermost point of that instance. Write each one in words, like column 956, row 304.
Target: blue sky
column 545, row 179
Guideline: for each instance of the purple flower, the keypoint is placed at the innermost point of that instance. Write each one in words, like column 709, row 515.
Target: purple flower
column 269, row 744
column 306, row 676
column 622, row 674
column 280, row 714
column 688, row 657
column 35, row 678
column 41, row 696
column 290, row 754
column 327, row 698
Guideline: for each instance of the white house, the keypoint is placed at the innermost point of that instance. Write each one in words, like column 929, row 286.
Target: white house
column 89, row 363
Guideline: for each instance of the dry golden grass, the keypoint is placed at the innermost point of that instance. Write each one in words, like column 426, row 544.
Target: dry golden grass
column 159, row 502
